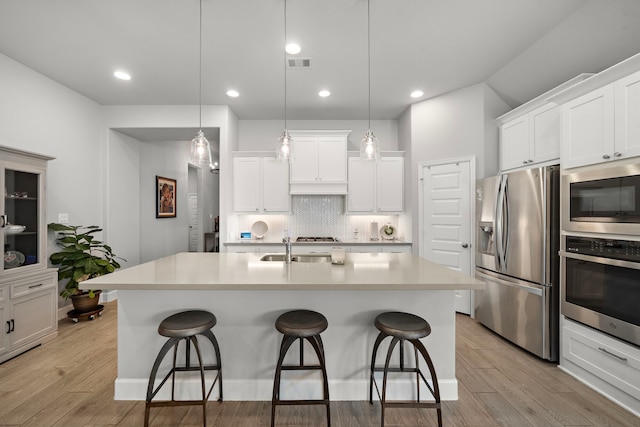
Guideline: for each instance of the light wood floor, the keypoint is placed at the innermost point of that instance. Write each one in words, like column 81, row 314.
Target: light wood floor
column 69, row 382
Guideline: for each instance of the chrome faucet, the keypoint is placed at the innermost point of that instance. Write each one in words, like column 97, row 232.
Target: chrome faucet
column 287, row 249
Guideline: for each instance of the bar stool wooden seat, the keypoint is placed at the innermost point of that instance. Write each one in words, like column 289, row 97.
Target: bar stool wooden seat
column 185, row 326
column 301, row 325
column 404, row 327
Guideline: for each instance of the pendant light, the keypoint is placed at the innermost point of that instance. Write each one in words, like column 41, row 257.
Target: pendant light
column 283, row 152
column 369, row 148
column 200, row 153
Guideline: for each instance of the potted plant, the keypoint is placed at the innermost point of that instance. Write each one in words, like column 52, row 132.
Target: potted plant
column 82, row 257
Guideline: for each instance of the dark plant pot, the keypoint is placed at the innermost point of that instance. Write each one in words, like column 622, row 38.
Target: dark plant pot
column 82, row 303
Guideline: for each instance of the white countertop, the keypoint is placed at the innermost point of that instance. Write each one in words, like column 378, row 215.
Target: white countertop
column 245, row 271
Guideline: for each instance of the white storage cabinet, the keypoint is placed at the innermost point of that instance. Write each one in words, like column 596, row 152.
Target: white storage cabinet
column 601, row 126
column 260, row 185
column 319, row 162
column 376, row 187
column 531, row 139
column 28, row 289
column 609, row 365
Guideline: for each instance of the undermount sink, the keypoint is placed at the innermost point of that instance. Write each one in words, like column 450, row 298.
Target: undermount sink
column 298, row 258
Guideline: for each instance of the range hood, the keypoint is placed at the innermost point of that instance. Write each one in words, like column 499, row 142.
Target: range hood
column 320, row 189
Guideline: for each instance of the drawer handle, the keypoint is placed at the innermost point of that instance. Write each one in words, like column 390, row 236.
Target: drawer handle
column 35, row 286
column 604, row 350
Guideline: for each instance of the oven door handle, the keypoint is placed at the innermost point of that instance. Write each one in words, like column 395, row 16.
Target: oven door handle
column 601, row 260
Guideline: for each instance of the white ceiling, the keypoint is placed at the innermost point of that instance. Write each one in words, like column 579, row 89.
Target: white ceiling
column 521, row 48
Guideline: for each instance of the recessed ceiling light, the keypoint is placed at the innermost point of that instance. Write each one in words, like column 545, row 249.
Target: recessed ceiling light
column 292, row 48
column 417, row 94
column 233, row 93
column 122, row 75
column 324, row 93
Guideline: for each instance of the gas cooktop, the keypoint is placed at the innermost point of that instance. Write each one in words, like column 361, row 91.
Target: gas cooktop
column 316, row 239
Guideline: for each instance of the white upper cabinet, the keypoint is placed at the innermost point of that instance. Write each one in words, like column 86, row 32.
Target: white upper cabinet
column 627, row 116
column 603, row 125
column 531, row 139
column 376, row 187
column 319, row 162
column 588, row 128
column 260, row 185
column 600, row 116
column 532, row 133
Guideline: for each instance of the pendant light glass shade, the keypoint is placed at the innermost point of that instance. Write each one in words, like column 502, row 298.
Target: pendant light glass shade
column 200, row 153
column 369, row 148
column 283, row 152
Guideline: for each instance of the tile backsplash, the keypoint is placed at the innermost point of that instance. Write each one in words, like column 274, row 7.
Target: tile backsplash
column 317, row 216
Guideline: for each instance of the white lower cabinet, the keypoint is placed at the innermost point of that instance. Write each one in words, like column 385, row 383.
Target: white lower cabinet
column 609, row 365
column 384, row 248
column 28, row 310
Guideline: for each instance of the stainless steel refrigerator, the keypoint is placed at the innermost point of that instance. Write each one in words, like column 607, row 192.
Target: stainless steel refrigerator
column 517, row 243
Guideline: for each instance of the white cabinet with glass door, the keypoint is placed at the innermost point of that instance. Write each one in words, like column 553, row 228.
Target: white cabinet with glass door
column 28, row 288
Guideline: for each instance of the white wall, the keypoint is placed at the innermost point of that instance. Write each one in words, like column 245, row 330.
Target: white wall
column 454, row 125
column 123, row 197
column 161, row 237
column 42, row 116
column 262, row 135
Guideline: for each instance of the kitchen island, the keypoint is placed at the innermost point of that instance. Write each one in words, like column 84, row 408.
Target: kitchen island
column 247, row 295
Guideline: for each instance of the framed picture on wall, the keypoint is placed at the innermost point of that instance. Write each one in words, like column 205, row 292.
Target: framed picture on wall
column 166, row 189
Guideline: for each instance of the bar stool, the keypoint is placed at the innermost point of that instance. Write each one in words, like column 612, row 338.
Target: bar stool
column 409, row 327
column 185, row 326
column 300, row 324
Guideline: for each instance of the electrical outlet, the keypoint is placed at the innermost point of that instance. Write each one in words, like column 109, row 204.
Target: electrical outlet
column 63, row 218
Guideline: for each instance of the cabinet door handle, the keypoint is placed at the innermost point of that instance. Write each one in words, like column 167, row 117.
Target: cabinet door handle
column 465, row 245
column 524, row 162
column 617, row 154
column 5, row 221
column 604, row 350
column 13, row 326
column 37, row 286
column 606, row 156
column 8, row 327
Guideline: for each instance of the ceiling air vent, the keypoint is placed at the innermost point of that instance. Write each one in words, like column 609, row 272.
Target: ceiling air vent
column 301, row 63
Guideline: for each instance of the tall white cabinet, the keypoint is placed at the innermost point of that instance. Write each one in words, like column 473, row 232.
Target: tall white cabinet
column 28, row 289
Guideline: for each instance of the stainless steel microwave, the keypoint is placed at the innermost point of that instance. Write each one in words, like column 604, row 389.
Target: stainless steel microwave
column 605, row 200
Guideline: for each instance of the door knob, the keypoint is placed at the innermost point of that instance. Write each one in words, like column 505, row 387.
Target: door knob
column 465, row 245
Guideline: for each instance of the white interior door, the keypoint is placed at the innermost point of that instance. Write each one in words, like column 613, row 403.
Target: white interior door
column 193, row 222
column 445, row 220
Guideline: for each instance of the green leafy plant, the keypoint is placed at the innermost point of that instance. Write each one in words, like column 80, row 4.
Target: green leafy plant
column 82, row 257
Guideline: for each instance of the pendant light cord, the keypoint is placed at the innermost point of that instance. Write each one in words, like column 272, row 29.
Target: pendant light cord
column 369, row 56
column 200, row 66
column 285, row 65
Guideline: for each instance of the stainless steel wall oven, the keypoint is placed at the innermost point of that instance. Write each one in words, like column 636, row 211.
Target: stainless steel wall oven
column 601, row 285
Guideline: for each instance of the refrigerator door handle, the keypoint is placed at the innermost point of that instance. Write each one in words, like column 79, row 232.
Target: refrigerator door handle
column 499, row 215
column 532, row 289
column 505, row 221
